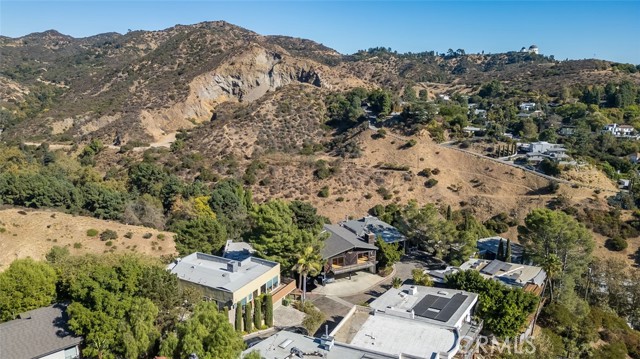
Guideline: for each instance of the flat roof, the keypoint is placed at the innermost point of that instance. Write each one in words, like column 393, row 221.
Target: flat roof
column 397, row 336
column 213, row 272
column 513, row 274
column 437, row 306
column 280, row 345
column 37, row 333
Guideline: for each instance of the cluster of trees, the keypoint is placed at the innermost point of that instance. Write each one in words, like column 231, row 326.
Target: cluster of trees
column 504, row 310
column 345, row 109
column 202, row 217
column 446, row 234
column 123, row 305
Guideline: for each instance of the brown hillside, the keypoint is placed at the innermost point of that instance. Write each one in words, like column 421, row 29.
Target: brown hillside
column 29, row 233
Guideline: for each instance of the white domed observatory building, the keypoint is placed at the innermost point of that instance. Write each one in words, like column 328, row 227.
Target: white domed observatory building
column 533, row 49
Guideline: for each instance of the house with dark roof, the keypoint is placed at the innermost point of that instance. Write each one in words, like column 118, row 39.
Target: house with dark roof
column 40, row 333
column 345, row 252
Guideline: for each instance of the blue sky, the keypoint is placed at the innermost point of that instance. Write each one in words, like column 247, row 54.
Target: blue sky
column 566, row 29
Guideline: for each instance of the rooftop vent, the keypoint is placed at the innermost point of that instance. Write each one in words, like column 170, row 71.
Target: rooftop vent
column 232, row 266
column 413, row 290
column 327, row 341
column 285, row 343
column 443, row 292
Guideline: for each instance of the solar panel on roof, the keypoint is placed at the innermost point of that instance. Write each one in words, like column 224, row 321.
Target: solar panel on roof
column 424, row 305
column 439, row 308
column 452, row 306
column 440, row 303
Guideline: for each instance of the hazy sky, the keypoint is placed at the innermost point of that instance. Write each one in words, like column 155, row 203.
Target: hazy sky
column 566, row 29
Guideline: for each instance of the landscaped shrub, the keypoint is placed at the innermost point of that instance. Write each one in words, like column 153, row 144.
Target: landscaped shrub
column 92, row 232
column 108, row 234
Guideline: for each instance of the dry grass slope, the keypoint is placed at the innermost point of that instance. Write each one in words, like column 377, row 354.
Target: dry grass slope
column 29, row 233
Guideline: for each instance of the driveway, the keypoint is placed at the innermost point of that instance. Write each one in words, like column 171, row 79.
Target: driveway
column 357, row 283
column 402, row 270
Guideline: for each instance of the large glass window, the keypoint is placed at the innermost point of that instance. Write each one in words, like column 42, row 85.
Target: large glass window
column 275, row 282
column 71, row 353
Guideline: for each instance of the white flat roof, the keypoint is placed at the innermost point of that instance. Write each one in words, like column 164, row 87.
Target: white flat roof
column 212, row 271
column 452, row 304
column 395, row 335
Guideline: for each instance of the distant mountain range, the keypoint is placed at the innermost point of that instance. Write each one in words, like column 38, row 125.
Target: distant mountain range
column 144, row 85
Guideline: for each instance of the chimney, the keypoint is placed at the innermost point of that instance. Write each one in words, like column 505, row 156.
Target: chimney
column 371, row 238
column 326, row 341
column 232, row 266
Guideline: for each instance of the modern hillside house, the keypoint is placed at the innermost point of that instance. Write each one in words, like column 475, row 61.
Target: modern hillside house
column 229, row 281
column 414, row 322
column 41, row 333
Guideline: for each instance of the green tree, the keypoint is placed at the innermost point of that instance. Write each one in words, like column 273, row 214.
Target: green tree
column 57, row 254
column 380, row 101
column 388, row 253
column 276, row 236
column 231, row 204
column 24, row 286
column 549, row 233
column 309, row 263
column 208, row 334
column 306, row 216
column 202, row 234
column 268, row 312
column 238, row 319
column 500, row 254
column 503, row 309
column 248, row 318
column 507, row 255
column 257, row 313
column 146, row 177
column 169, row 346
column 103, row 202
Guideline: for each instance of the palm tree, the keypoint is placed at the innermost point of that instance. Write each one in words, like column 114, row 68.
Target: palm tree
column 552, row 266
column 309, row 263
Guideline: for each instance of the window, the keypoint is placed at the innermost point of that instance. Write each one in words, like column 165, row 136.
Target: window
column 269, row 284
column 275, row 281
column 337, row 262
column 71, row 353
